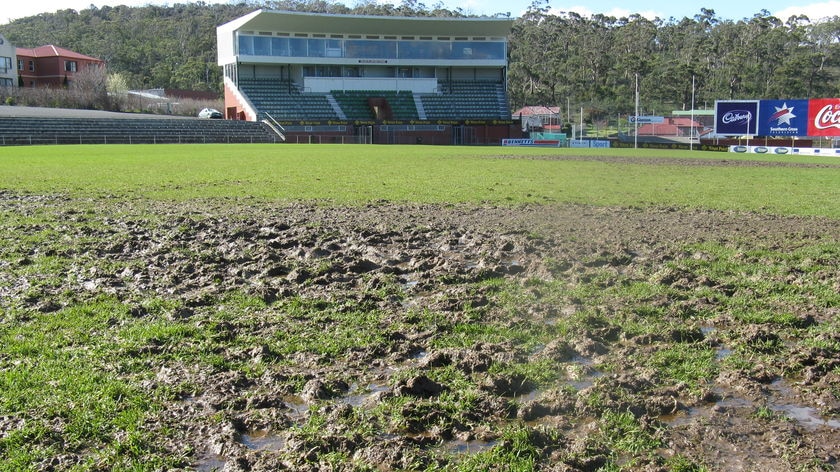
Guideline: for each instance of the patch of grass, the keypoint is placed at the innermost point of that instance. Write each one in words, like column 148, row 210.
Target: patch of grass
column 327, row 329
column 518, row 449
column 622, row 432
column 57, row 370
column 538, row 372
column 358, row 174
column 692, row 364
column 765, row 413
column 680, row 463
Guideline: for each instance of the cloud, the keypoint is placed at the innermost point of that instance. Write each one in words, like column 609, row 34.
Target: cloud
column 814, row 11
column 616, row 12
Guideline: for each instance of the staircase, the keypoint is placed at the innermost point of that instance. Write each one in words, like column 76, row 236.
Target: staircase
column 418, row 103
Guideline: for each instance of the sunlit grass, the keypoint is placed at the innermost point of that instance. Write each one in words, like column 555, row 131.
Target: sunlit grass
column 337, row 174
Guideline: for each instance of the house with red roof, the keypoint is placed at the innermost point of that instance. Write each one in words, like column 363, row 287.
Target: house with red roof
column 671, row 126
column 51, row 66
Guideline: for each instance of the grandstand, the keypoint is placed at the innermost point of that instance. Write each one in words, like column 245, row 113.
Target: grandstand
column 350, row 78
column 29, row 125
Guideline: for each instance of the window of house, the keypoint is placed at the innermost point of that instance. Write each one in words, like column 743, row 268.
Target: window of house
column 20, row 64
column 70, row 66
column 31, row 65
column 5, row 64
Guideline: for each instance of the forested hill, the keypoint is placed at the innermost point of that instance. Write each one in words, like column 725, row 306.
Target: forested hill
column 561, row 60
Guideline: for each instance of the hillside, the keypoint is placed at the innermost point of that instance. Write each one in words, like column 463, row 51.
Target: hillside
column 567, row 60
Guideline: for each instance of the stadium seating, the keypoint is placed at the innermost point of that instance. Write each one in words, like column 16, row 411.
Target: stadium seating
column 24, row 131
column 456, row 100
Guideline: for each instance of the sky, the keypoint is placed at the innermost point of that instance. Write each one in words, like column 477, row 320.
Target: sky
column 664, row 9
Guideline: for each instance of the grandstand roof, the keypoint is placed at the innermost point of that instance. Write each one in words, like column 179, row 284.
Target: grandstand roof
column 273, row 20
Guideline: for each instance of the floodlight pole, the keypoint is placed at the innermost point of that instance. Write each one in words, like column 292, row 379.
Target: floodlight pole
column 691, row 133
column 580, row 135
column 636, row 118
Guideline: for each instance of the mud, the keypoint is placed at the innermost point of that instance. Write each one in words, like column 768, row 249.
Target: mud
column 409, row 261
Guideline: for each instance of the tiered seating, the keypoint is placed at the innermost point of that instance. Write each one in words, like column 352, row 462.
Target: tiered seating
column 458, row 100
column 284, row 101
column 467, row 100
column 22, row 130
column 354, row 103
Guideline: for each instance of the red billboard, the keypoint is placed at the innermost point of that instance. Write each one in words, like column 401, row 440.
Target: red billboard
column 824, row 117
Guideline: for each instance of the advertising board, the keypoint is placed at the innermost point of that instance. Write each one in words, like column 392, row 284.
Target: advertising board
column 824, row 117
column 736, row 117
column 783, row 118
column 646, row 119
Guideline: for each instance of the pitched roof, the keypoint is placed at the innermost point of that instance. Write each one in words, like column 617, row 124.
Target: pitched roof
column 537, row 110
column 50, row 50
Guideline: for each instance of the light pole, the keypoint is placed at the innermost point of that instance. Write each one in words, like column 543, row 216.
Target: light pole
column 691, row 133
column 636, row 118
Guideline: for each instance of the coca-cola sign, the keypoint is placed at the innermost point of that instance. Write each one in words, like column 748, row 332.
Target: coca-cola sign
column 824, row 117
column 736, row 117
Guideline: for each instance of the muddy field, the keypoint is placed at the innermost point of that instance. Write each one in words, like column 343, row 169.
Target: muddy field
column 410, row 337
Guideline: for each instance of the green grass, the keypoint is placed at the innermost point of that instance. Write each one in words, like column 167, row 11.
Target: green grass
column 77, row 375
column 358, row 174
column 55, row 371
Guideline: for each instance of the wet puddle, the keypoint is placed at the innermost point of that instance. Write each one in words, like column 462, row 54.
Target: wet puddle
column 581, row 373
column 263, row 440
column 473, row 446
column 806, row 416
column 721, row 351
column 359, row 396
column 778, row 400
column 211, row 463
column 297, row 405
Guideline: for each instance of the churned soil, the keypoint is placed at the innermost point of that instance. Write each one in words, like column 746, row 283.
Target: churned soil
column 413, row 262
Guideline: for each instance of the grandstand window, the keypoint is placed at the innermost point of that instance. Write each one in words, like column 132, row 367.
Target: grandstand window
column 360, row 49
column 246, row 45
column 279, row 46
column 371, row 49
column 425, row 50
column 317, row 48
column 297, row 47
column 334, row 48
column 262, row 46
column 478, row 50
column 5, row 64
column 6, row 82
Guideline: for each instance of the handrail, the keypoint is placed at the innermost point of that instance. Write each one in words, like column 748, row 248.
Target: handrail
column 273, row 124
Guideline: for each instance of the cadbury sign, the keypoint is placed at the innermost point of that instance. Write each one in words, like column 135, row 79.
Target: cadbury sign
column 736, row 117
